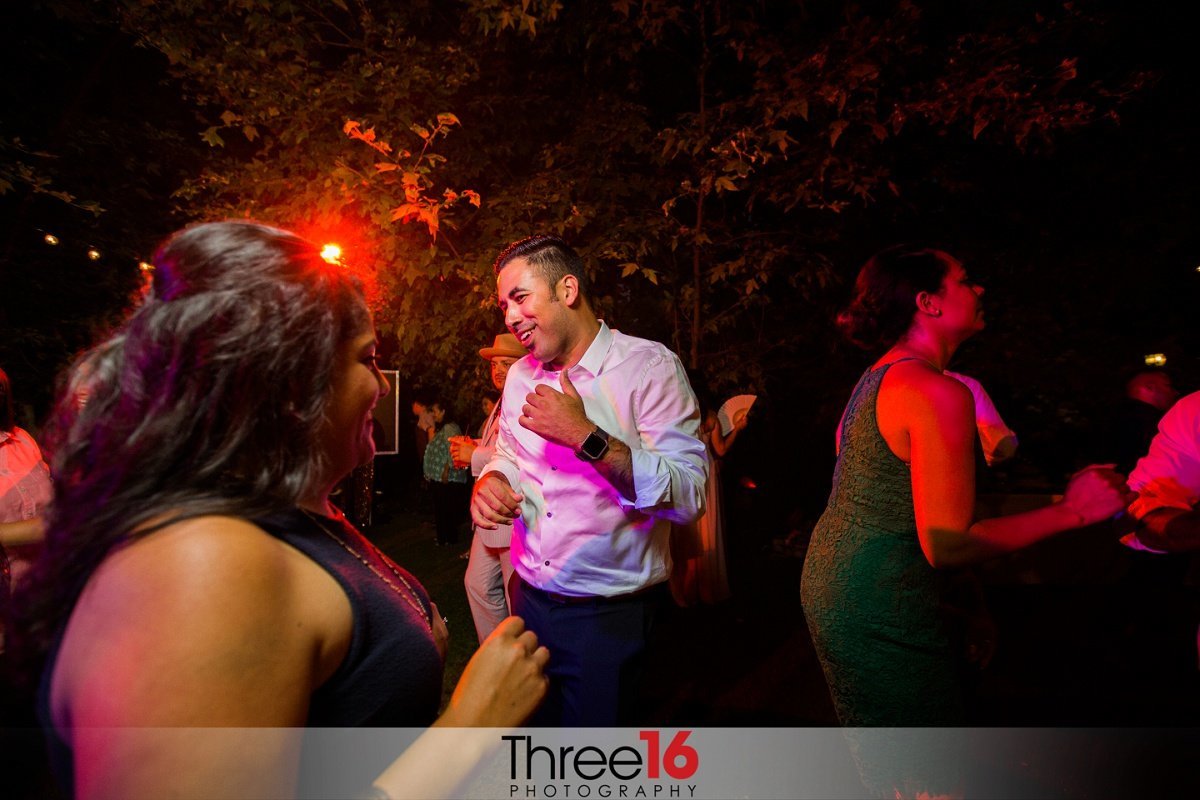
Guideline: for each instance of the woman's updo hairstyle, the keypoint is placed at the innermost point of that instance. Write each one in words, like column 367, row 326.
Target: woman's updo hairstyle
column 885, row 293
column 209, row 400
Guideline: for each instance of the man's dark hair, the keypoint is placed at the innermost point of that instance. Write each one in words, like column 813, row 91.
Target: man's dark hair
column 553, row 258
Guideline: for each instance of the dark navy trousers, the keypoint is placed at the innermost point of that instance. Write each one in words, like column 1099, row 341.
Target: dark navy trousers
column 597, row 653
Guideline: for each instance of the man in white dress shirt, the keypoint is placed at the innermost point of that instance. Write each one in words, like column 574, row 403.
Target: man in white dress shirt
column 1167, row 480
column 598, row 453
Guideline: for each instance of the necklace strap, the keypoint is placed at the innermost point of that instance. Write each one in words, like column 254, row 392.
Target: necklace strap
column 408, row 593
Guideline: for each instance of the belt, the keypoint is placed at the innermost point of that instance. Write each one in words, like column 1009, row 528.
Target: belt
column 591, row 599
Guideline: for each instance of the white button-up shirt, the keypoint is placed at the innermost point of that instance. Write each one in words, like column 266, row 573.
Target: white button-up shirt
column 1169, row 475
column 577, row 535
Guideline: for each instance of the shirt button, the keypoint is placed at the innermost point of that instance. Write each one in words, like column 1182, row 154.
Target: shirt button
column 549, row 513
column 554, row 469
column 547, row 563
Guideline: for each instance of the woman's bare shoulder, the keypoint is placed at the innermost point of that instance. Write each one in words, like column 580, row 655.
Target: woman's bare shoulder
column 188, row 566
column 919, row 390
column 213, row 590
column 923, row 378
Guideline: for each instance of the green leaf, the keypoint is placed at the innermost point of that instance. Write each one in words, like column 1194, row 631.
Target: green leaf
column 212, row 138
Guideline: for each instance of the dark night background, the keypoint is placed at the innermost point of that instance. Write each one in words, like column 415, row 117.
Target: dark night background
column 1084, row 241
column 1084, row 235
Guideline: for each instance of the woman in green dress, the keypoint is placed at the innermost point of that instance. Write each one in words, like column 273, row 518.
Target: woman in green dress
column 902, row 510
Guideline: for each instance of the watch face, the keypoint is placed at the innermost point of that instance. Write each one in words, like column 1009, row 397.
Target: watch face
column 594, row 446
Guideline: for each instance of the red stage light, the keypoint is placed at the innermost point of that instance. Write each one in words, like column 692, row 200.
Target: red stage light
column 332, row 253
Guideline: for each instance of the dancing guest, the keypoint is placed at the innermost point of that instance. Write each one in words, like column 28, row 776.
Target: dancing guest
column 490, row 565
column 196, row 574
column 487, row 404
column 699, row 571
column 449, row 485
column 902, row 509
column 24, row 493
column 1148, row 396
column 597, row 456
column 999, row 442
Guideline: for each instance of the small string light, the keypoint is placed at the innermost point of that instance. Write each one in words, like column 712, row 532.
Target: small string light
column 1156, row 360
column 145, row 266
column 52, row 240
column 93, row 254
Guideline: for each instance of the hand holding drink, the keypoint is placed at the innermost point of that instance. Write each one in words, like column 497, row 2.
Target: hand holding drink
column 461, row 448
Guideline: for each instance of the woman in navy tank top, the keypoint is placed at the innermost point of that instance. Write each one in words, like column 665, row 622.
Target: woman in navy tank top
column 197, row 581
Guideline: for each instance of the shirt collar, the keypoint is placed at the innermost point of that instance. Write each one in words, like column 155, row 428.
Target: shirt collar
column 593, row 358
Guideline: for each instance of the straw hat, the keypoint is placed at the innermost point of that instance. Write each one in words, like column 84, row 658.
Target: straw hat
column 505, row 345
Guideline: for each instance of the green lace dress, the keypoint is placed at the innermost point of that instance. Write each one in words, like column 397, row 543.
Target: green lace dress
column 871, row 599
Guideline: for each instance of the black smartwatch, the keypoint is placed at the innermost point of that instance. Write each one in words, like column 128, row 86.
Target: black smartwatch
column 594, row 446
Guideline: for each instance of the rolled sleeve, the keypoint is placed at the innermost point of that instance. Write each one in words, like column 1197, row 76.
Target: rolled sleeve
column 670, row 463
column 1168, row 476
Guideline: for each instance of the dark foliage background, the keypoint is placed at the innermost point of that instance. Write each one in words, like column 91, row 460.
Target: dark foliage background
column 723, row 166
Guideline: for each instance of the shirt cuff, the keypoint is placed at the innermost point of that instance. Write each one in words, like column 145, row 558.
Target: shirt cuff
column 506, row 469
column 651, row 482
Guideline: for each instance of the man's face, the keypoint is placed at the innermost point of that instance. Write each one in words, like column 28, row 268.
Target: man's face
column 500, row 366
column 534, row 312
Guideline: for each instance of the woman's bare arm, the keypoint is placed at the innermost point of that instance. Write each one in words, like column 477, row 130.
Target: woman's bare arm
column 941, row 431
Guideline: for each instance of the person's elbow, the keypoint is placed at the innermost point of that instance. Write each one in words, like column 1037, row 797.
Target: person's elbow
column 943, row 549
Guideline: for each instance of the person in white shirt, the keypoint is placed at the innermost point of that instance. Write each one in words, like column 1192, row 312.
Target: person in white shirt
column 999, row 442
column 490, row 567
column 1167, row 482
column 598, row 454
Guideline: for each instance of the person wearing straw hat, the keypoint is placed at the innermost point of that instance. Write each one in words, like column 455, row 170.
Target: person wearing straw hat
column 489, row 567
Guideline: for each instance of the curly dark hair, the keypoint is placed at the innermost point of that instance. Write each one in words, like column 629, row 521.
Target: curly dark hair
column 883, row 305
column 209, row 400
column 550, row 255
